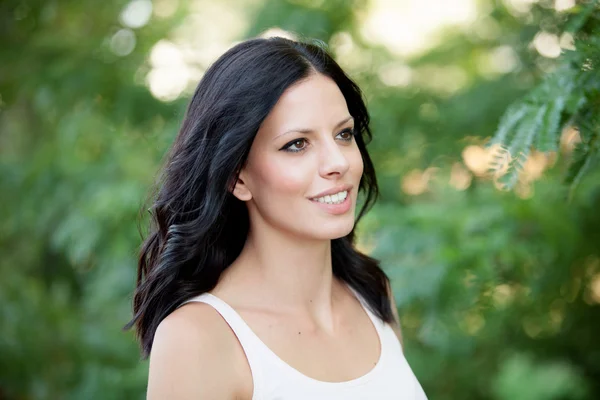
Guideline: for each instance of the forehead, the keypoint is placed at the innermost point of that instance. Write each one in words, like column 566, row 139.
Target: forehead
column 313, row 103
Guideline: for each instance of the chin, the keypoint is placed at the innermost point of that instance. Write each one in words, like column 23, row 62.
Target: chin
column 335, row 230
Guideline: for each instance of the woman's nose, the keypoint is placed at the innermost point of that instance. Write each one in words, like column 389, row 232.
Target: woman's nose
column 333, row 161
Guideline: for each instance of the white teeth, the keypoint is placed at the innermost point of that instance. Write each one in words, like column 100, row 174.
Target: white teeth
column 334, row 198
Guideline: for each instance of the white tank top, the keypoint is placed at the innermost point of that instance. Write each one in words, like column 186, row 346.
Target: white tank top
column 274, row 379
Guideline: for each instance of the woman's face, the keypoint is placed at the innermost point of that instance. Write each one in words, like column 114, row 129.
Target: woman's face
column 304, row 166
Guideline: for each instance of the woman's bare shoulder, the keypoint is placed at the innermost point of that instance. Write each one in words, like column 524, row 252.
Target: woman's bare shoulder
column 195, row 355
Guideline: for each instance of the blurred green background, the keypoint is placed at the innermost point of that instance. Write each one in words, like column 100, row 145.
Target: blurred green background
column 498, row 290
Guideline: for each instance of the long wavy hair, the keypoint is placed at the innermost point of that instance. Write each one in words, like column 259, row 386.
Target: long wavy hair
column 198, row 227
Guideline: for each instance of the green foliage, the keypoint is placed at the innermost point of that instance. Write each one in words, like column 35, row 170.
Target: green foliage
column 567, row 97
column 498, row 295
column 521, row 377
column 480, row 277
column 585, row 155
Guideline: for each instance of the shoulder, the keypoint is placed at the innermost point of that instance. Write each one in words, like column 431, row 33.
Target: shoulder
column 195, row 355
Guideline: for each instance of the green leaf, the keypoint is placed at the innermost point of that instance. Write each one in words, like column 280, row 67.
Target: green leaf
column 509, row 120
column 520, row 146
column 515, row 166
column 548, row 136
column 580, row 157
column 585, row 156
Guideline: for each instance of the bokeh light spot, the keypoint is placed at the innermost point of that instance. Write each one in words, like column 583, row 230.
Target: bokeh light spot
column 547, row 44
column 123, row 42
column 136, row 13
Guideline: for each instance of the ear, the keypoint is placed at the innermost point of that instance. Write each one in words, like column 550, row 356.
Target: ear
column 240, row 188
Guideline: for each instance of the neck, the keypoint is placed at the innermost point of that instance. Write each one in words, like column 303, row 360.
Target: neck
column 292, row 273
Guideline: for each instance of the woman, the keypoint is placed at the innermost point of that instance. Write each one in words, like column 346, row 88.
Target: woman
column 249, row 286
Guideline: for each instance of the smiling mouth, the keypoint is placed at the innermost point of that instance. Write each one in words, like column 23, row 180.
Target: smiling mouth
column 336, row 198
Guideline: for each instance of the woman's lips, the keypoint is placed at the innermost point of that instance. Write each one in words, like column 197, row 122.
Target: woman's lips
column 336, row 209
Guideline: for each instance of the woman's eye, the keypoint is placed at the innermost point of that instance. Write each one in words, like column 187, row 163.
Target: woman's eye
column 295, row 146
column 298, row 145
column 347, row 134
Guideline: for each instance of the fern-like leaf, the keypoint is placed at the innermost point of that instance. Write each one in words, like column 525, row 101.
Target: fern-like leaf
column 511, row 177
column 509, row 120
column 518, row 149
column 549, row 135
column 584, row 157
column 586, row 152
column 500, row 159
column 570, row 93
column 578, row 160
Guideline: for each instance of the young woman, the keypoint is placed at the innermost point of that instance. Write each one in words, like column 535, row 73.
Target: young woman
column 249, row 286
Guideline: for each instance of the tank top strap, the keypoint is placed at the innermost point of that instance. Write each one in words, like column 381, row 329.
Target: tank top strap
column 250, row 343
column 379, row 324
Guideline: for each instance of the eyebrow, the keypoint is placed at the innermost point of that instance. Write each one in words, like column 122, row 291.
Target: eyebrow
column 339, row 124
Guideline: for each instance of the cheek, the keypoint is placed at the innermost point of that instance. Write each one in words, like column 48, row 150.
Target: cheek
column 277, row 177
column 356, row 163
